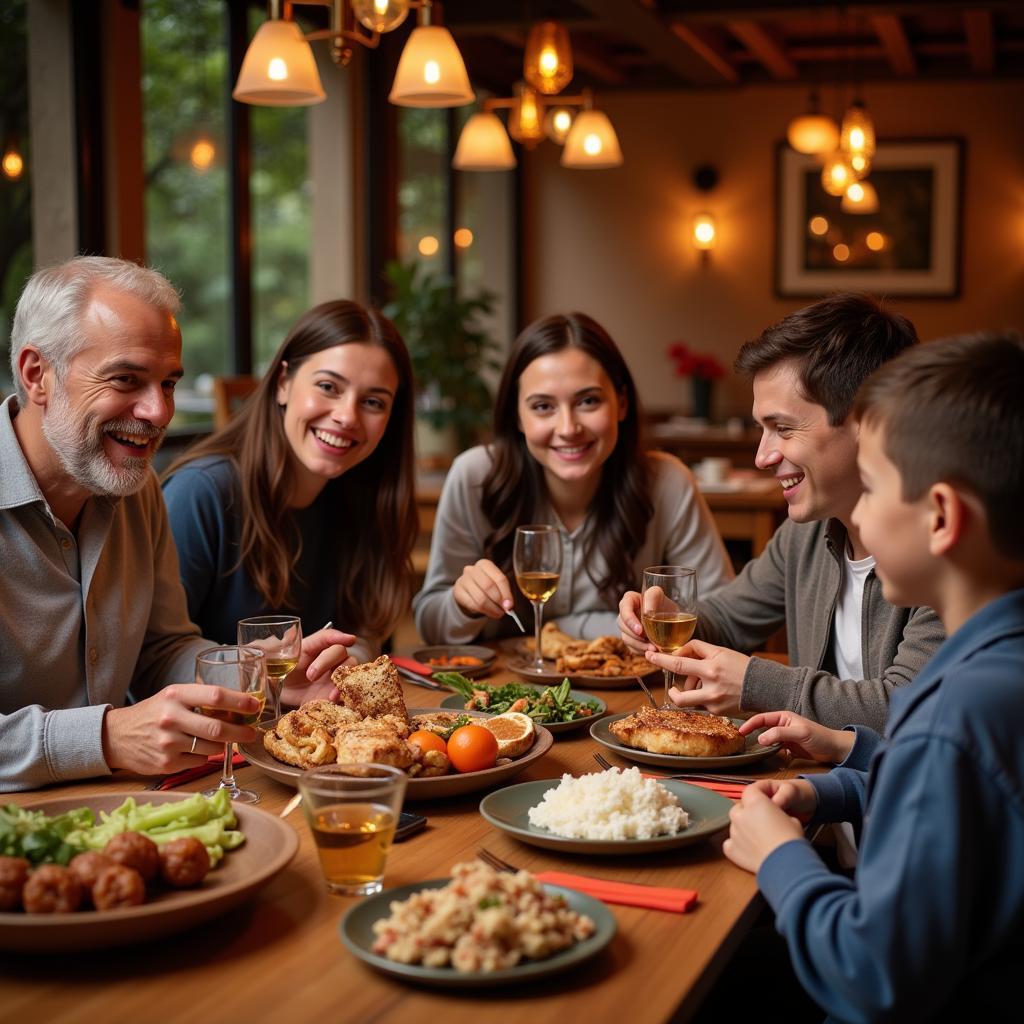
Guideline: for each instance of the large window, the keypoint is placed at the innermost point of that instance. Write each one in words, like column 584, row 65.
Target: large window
column 15, row 172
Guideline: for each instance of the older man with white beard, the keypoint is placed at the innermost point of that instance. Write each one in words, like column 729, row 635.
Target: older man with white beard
column 97, row 652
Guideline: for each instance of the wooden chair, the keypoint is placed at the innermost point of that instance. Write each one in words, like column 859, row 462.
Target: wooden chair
column 228, row 394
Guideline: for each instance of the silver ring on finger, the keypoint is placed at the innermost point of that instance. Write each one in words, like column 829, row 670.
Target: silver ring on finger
column 192, row 749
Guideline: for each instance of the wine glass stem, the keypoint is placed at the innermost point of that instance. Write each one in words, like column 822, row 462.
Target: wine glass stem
column 227, row 777
column 669, row 683
column 538, row 616
column 276, row 685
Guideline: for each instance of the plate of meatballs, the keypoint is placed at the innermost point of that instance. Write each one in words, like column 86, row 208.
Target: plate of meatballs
column 133, row 891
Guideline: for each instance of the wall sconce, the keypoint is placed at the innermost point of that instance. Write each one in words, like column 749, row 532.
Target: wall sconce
column 12, row 162
column 704, row 233
column 704, row 230
column 279, row 68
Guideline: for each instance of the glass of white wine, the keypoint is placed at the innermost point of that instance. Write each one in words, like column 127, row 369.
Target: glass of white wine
column 668, row 610
column 537, row 561
column 280, row 638
column 235, row 668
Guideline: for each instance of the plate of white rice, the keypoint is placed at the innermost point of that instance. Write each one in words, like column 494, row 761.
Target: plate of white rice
column 610, row 812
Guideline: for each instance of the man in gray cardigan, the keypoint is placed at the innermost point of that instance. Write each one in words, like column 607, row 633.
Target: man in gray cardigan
column 848, row 648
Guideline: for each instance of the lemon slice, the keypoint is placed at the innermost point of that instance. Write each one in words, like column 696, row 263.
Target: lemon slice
column 513, row 730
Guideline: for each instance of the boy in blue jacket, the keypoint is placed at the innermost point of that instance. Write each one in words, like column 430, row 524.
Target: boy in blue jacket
column 932, row 925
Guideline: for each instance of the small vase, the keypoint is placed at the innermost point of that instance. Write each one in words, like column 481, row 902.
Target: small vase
column 702, row 397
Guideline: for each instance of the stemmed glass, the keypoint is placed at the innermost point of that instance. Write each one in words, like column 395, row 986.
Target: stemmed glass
column 280, row 638
column 537, row 561
column 235, row 668
column 668, row 610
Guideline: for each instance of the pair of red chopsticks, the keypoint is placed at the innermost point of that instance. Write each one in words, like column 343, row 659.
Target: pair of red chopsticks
column 732, row 790
column 214, row 763
column 629, row 894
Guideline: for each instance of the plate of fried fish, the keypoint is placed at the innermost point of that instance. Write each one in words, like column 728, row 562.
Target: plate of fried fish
column 372, row 724
column 680, row 739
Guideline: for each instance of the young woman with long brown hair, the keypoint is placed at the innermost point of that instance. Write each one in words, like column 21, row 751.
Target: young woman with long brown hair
column 304, row 503
column 566, row 451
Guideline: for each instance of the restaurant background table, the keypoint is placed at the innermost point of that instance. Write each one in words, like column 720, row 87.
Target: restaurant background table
column 281, row 958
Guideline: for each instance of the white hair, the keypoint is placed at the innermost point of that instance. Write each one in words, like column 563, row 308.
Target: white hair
column 50, row 309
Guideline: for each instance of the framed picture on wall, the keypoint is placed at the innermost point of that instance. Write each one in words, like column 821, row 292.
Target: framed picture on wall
column 909, row 245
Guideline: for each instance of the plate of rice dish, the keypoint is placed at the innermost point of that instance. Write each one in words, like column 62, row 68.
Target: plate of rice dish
column 480, row 927
column 613, row 812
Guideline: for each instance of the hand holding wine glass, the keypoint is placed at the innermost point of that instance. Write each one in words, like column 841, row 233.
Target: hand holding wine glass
column 668, row 610
column 234, row 668
column 280, row 638
column 537, row 561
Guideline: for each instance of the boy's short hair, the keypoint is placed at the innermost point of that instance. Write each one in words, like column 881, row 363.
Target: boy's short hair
column 953, row 410
column 839, row 341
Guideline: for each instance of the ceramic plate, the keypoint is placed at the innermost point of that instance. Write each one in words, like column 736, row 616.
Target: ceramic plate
column 357, row 933
column 522, row 666
column 269, row 845
column 418, row 789
column 456, row 702
column 754, row 752
column 485, row 654
column 508, row 810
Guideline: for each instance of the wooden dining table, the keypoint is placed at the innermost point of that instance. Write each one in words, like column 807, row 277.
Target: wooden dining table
column 280, row 957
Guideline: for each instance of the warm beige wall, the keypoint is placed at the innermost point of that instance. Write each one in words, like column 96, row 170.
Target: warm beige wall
column 615, row 243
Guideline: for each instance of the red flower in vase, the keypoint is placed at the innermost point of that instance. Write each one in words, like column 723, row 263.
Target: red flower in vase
column 694, row 364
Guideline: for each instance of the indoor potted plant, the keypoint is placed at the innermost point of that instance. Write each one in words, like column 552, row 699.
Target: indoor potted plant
column 703, row 371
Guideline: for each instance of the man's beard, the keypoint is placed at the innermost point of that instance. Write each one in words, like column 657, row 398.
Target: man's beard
column 78, row 444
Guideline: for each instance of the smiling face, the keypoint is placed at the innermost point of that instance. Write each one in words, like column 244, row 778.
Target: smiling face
column 106, row 414
column 895, row 531
column 337, row 404
column 569, row 414
column 815, row 463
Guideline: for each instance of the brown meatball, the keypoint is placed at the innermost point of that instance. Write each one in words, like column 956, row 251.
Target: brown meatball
column 134, row 850
column 118, row 886
column 13, row 872
column 51, row 889
column 88, row 867
column 184, row 862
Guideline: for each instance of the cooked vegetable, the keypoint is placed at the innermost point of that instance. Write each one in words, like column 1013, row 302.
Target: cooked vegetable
column 552, row 704
column 38, row 838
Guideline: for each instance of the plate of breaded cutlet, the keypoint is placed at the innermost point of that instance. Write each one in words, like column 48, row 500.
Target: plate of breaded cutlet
column 371, row 724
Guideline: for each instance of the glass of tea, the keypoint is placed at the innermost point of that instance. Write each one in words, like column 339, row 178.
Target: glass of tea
column 352, row 811
column 668, row 610
column 537, row 561
column 280, row 637
column 235, row 668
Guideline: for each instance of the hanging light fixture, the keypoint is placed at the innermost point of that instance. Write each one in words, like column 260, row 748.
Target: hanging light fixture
column 592, row 143
column 860, row 197
column 837, row 175
column 813, row 132
column 279, row 68
column 484, row 145
column 12, row 163
column 557, row 123
column 857, row 138
column 526, row 119
column 547, row 62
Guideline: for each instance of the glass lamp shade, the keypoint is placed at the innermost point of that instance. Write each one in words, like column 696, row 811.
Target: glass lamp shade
column 557, row 124
column 380, row 15
column 592, row 142
column 484, row 145
column 812, row 133
column 431, row 72
column 279, row 69
column 526, row 118
column 860, row 197
column 547, row 63
column 836, row 175
column 858, row 133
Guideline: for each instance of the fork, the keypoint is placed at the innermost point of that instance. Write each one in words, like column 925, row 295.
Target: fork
column 702, row 776
column 492, row 860
column 650, row 696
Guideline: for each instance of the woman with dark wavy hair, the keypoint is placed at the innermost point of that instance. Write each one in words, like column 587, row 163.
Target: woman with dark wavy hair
column 304, row 503
column 566, row 451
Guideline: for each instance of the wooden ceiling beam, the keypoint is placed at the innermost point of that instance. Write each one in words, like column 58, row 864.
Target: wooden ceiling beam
column 765, row 47
column 890, row 31
column 980, row 41
column 708, row 49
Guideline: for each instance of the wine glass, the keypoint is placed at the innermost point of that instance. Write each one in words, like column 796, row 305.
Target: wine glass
column 280, row 638
column 537, row 561
column 235, row 668
column 668, row 610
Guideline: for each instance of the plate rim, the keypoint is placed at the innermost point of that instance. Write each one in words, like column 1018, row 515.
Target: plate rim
column 552, row 727
column 609, row 847
column 607, row 928
column 721, row 761
column 599, row 682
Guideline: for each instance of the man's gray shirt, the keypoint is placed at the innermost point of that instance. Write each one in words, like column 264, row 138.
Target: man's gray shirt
column 87, row 620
